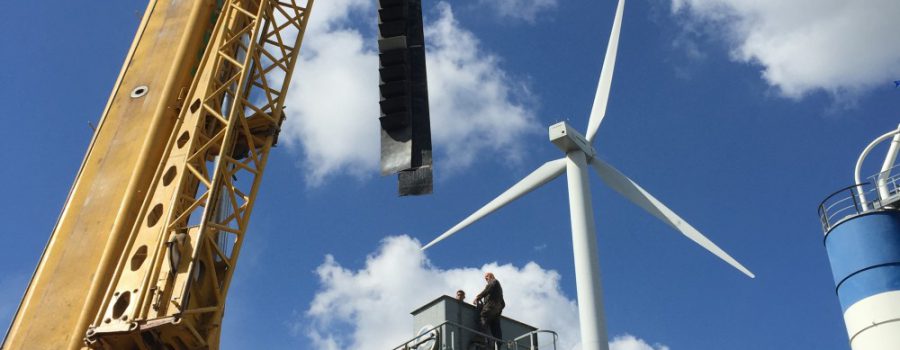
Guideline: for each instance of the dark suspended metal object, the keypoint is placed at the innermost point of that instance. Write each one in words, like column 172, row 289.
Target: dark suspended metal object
column 404, row 119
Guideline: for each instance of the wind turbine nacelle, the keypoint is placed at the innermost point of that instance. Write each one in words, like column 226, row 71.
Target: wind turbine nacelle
column 568, row 139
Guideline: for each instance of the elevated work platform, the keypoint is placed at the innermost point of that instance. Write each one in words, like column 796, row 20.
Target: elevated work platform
column 449, row 324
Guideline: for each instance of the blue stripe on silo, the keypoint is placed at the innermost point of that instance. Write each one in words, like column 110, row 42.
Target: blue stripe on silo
column 868, row 283
column 864, row 252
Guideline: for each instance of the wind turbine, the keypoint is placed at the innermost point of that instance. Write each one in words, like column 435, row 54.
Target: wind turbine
column 579, row 154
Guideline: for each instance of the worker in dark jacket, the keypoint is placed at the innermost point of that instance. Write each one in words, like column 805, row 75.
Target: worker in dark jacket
column 492, row 296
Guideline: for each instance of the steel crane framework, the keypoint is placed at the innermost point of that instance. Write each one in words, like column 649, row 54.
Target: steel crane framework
column 144, row 251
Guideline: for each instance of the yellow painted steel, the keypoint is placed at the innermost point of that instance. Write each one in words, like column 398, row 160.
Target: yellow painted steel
column 144, row 250
column 76, row 264
column 169, row 288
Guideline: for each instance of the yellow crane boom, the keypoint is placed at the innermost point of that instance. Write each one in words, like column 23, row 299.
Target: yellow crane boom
column 146, row 244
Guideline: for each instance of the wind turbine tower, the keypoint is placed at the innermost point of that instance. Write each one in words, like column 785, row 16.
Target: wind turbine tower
column 580, row 157
column 862, row 238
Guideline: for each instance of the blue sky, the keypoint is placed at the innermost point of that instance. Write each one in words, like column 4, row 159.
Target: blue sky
column 740, row 117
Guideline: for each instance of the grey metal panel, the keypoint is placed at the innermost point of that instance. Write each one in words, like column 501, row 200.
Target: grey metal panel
column 446, row 308
column 396, row 156
column 416, row 181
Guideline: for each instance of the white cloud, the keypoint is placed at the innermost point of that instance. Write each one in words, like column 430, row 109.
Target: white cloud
column 629, row 342
column 332, row 105
column 527, row 10
column 841, row 47
column 369, row 308
column 477, row 111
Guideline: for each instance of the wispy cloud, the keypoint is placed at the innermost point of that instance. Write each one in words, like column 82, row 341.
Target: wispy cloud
column 844, row 48
column 368, row 308
column 630, row 342
column 527, row 10
column 477, row 110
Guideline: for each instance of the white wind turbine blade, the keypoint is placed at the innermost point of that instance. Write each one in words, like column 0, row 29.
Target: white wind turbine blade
column 537, row 178
column 598, row 110
column 637, row 195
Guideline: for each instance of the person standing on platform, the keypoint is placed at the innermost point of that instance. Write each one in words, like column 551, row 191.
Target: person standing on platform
column 492, row 296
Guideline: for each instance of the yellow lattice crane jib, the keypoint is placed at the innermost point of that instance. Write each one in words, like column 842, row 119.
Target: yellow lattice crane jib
column 143, row 252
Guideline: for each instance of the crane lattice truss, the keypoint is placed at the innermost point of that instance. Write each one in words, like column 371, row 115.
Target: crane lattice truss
column 169, row 288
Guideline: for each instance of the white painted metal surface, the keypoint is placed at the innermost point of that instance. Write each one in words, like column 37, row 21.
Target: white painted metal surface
column 637, row 195
column 537, row 178
column 584, row 248
column 874, row 322
column 580, row 153
column 880, row 337
column 598, row 110
column 889, row 160
column 859, row 163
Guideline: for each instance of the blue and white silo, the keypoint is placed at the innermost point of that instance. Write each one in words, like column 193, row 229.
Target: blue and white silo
column 862, row 238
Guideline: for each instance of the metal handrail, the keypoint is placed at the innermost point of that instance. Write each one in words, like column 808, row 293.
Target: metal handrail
column 836, row 208
column 532, row 339
column 826, row 214
column 415, row 342
column 886, row 184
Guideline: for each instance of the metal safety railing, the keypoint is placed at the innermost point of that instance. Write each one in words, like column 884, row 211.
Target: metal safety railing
column 881, row 192
column 840, row 205
column 443, row 337
column 531, row 340
column 887, row 185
